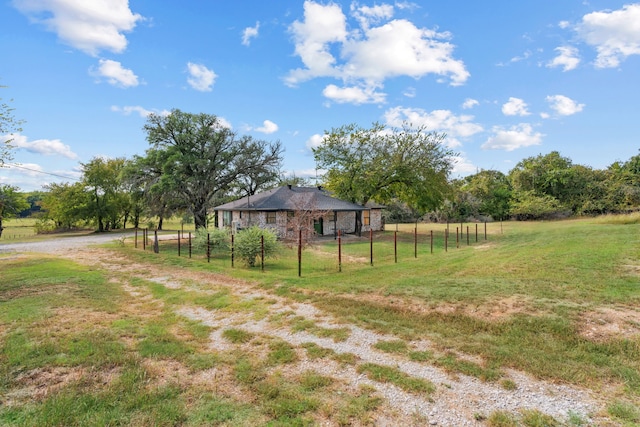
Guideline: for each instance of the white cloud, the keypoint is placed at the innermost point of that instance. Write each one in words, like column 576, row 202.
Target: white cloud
column 268, row 127
column 224, row 123
column 515, row 107
column 90, row 26
column 115, row 74
column 563, row 105
column 143, row 112
column 515, row 137
column 366, row 57
column 250, row 33
column 201, row 78
column 443, row 121
column 410, row 92
column 469, row 103
column 463, row 166
column 564, row 24
column 314, row 141
column 354, row 95
column 367, row 15
column 567, row 58
column 614, row 34
column 47, row 147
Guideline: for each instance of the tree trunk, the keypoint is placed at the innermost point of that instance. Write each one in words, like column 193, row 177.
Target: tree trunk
column 200, row 216
column 359, row 223
column 160, row 221
column 1, row 228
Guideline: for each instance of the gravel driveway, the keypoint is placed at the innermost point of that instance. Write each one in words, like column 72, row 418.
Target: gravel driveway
column 57, row 244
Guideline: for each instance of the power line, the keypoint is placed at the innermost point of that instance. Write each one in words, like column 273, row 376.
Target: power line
column 13, row 165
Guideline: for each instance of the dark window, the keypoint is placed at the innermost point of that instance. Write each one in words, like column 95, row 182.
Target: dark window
column 366, row 217
column 271, row 217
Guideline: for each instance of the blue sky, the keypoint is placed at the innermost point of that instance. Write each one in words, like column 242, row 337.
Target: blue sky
column 504, row 80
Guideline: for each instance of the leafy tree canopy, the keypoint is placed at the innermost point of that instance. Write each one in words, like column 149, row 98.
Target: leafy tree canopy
column 200, row 159
column 409, row 165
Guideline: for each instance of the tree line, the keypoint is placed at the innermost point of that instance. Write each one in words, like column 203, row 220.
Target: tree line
column 194, row 163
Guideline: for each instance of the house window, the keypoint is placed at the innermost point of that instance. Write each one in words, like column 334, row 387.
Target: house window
column 271, row 217
column 226, row 218
column 366, row 217
column 291, row 214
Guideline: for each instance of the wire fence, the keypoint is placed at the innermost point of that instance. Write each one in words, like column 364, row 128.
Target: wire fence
column 372, row 247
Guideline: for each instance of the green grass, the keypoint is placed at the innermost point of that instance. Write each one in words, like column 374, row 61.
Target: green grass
column 516, row 301
column 555, row 271
column 394, row 376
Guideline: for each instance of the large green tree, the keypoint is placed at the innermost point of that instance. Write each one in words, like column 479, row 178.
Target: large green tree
column 12, row 203
column 66, row 204
column 383, row 164
column 202, row 159
column 108, row 196
column 492, row 190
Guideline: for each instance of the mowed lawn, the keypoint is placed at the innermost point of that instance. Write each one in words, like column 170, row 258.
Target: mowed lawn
column 558, row 300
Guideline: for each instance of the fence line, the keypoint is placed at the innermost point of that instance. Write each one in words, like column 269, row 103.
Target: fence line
column 399, row 237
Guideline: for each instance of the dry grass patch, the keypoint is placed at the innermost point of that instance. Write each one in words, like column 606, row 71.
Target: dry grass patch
column 605, row 323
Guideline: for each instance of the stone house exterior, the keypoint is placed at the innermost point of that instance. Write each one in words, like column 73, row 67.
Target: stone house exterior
column 289, row 208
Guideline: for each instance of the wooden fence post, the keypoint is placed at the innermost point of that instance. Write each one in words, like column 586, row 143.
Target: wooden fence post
column 232, row 250
column 178, row 242
column 446, row 240
column 262, row 253
column 208, row 248
column 415, row 242
column 431, row 234
column 156, row 244
column 189, row 244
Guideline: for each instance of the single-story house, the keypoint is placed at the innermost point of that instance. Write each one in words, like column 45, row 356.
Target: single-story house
column 288, row 208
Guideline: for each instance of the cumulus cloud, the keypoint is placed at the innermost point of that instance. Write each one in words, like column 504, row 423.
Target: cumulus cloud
column 443, row 121
column 515, row 107
column 141, row 111
column 515, row 137
column 463, row 166
column 364, row 58
column 368, row 15
column 46, row 147
column 314, row 141
column 567, row 58
column 268, row 127
column 115, row 73
column 614, row 34
column 250, row 33
column 200, row 77
column 354, row 95
column 469, row 103
column 90, row 26
column 563, row 105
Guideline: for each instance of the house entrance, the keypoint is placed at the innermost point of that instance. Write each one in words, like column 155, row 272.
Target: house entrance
column 317, row 226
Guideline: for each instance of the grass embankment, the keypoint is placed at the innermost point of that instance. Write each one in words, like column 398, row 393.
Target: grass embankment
column 558, row 300
column 77, row 349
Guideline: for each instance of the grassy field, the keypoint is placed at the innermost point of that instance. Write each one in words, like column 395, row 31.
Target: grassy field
column 557, row 300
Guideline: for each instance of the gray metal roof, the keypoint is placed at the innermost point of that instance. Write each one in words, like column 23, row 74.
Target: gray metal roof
column 290, row 199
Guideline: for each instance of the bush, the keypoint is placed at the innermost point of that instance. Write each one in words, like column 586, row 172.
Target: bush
column 219, row 239
column 248, row 244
